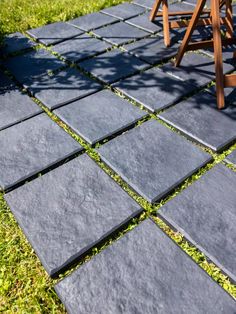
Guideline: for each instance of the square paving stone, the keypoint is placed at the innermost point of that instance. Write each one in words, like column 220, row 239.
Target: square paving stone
column 154, row 89
column 152, row 49
column 232, row 157
column 152, row 159
column 100, row 115
column 32, row 146
column 15, row 105
column 205, row 214
column 5, row 82
column 70, row 209
column 181, row 6
column 144, row 3
column 54, row 33
column 143, row 272
column 199, row 34
column 15, row 43
column 199, row 118
column 33, row 64
column 92, row 21
column 81, row 47
column 63, row 87
column 143, row 22
column 124, row 11
column 113, row 65
column 120, row 33
column 195, row 68
column 194, row 2
column 227, row 54
column 230, row 94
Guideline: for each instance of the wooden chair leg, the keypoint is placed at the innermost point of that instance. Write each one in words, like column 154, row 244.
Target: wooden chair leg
column 166, row 25
column 229, row 19
column 217, row 44
column 155, row 10
column 192, row 24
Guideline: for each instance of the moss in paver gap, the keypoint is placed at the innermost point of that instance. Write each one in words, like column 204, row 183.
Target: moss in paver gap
column 32, row 291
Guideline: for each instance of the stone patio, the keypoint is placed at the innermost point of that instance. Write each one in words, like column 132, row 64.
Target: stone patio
column 109, row 79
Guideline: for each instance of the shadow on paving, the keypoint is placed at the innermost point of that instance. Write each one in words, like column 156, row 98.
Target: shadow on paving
column 113, row 65
column 229, row 110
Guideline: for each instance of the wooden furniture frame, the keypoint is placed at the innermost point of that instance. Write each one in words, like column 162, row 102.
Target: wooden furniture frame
column 222, row 80
column 179, row 23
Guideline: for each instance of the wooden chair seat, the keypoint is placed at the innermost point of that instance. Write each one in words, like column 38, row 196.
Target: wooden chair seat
column 216, row 20
column 172, row 24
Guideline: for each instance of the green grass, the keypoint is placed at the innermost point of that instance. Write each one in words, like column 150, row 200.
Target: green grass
column 24, row 285
column 20, row 15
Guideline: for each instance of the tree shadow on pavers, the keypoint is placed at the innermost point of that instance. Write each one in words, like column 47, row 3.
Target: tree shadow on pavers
column 5, row 84
column 153, row 49
column 227, row 54
column 32, row 65
column 113, row 65
column 230, row 98
column 63, row 87
column 206, row 100
column 200, row 33
column 195, row 69
column 15, row 43
column 65, row 79
column 74, row 56
column 80, row 48
column 7, row 89
column 154, row 89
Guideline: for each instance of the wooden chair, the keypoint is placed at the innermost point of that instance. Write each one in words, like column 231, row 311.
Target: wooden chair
column 178, row 23
column 216, row 42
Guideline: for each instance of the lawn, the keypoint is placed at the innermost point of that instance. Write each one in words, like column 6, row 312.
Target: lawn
column 20, row 15
column 24, row 284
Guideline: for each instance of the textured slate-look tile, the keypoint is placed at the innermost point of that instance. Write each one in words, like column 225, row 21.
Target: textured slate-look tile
column 152, row 159
column 124, row 11
column 195, row 68
column 63, row 87
column 143, row 272
column 99, row 115
column 54, row 33
column 194, row 2
column 31, row 65
column 205, row 213
column 113, row 65
column 15, row 105
column 14, row 43
column 81, row 47
column 153, row 89
column 230, row 94
column 143, row 22
column 31, row 146
column 200, row 119
column 227, row 54
column 5, row 82
column 181, row 6
column 144, row 3
column 199, row 34
column 232, row 157
column 152, row 49
column 92, row 21
column 70, row 209
column 120, row 33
